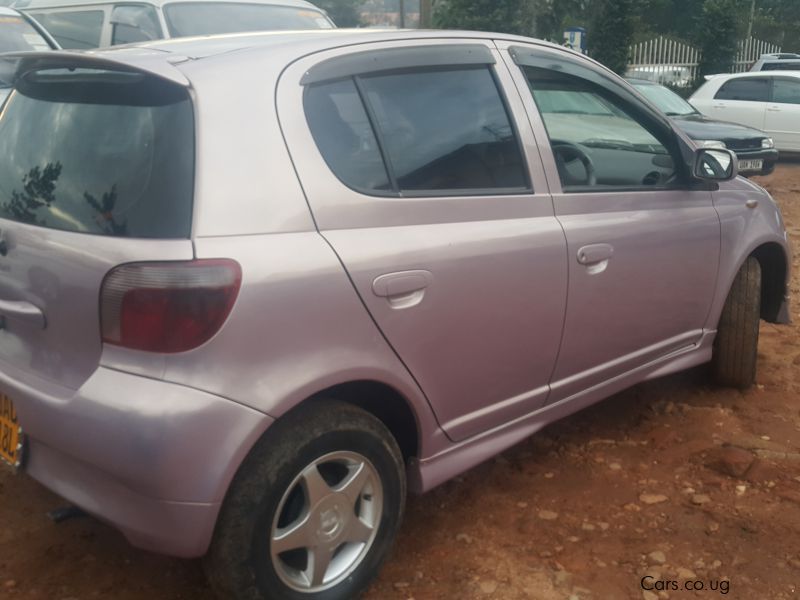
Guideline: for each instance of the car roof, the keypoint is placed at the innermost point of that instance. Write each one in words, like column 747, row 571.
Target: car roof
column 762, row 74
column 166, row 58
column 34, row 4
column 638, row 81
column 7, row 12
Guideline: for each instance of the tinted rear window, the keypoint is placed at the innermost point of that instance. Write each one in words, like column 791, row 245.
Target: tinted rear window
column 209, row 18
column 745, row 88
column 783, row 65
column 98, row 152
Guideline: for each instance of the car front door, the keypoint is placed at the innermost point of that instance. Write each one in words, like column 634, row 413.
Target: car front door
column 782, row 121
column 643, row 247
column 435, row 201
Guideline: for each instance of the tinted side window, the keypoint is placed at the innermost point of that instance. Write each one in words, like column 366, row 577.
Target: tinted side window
column 75, row 29
column 745, row 88
column 437, row 130
column 786, row 91
column 597, row 143
column 446, row 130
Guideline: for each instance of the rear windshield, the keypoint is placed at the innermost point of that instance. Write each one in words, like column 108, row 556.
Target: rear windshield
column 782, row 65
column 98, row 152
column 209, row 18
column 17, row 35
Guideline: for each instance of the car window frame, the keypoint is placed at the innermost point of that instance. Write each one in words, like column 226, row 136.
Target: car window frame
column 415, row 59
column 660, row 126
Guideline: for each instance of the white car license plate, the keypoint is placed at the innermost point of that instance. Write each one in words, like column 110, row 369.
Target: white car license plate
column 751, row 165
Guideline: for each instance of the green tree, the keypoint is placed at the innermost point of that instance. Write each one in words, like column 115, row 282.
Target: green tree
column 504, row 16
column 611, row 33
column 345, row 13
column 717, row 36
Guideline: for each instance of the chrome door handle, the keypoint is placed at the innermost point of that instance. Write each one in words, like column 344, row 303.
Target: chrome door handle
column 596, row 253
column 22, row 311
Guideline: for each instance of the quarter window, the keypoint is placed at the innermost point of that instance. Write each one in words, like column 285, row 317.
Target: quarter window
column 442, row 131
column 745, row 88
column 73, row 29
column 597, row 143
column 786, row 91
column 344, row 136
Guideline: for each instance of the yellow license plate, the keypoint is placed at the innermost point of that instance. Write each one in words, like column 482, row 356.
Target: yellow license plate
column 10, row 433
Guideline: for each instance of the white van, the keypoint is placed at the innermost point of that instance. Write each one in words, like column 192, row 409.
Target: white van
column 85, row 24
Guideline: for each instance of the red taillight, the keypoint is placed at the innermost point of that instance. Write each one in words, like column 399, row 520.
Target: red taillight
column 169, row 306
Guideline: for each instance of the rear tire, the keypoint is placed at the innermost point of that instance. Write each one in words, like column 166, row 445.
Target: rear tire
column 313, row 511
column 736, row 344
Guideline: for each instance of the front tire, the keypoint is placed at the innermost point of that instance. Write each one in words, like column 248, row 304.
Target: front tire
column 314, row 510
column 736, row 344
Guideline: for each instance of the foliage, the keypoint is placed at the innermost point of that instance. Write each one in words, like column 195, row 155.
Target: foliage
column 504, row 16
column 345, row 13
column 612, row 34
column 717, row 37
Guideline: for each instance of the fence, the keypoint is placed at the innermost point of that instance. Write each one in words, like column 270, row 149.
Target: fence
column 675, row 63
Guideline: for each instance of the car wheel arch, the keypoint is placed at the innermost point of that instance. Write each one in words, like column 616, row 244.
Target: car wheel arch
column 772, row 259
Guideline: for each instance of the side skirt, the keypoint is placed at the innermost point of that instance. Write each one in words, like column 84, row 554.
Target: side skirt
column 426, row 474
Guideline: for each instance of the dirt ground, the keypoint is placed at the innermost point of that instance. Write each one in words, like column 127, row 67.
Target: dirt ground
column 643, row 485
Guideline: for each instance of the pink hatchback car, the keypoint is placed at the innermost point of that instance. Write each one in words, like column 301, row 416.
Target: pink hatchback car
column 254, row 288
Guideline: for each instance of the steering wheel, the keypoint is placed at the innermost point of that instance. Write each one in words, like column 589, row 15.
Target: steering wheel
column 567, row 152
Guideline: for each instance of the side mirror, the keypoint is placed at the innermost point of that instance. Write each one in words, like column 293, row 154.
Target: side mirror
column 715, row 164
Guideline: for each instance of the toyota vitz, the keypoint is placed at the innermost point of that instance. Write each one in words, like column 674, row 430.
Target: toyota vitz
column 255, row 288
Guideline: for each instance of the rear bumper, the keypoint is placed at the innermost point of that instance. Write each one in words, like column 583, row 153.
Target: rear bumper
column 769, row 156
column 153, row 459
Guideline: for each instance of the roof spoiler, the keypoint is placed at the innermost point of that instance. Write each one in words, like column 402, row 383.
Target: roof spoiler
column 160, row 64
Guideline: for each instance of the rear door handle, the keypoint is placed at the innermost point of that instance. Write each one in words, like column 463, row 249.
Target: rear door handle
column 595, row 253
column 774, row 108
column 23, row 312
column 401, row 283
column 403, row 289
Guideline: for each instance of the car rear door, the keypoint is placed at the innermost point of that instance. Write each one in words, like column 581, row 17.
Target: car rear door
column 643, row 249
column 421, row 179
column 782, row 122
column 96, row 169
column 742, row 100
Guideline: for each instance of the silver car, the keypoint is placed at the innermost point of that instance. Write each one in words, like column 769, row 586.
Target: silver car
column 255, row 288
column 85, row 24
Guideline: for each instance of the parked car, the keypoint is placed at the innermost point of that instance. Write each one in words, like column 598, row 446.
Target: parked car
column 769, row 101
column 674, row 75
column 19, row 33
column 85, row 24
column 783, row 61
column 755, row 150
column 256, row 287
